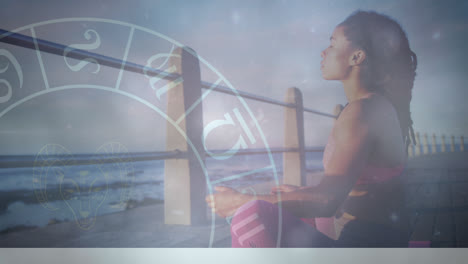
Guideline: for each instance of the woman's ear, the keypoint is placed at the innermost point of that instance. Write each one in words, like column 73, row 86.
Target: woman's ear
column 357, row 57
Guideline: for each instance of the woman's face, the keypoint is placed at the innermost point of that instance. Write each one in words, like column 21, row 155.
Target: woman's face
column 335, row 63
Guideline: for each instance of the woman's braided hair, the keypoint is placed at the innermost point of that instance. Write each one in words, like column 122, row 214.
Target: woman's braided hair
column 390, row 64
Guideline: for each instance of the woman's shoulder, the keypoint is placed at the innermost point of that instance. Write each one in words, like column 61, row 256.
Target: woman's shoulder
column 371, row 111
column 355, row 121
column 372, row 105
column 360, row 109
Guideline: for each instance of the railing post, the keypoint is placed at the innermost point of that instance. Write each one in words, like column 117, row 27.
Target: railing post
column 410, row 151
column 434, row 144
column 452, row 143
column 443, row 143
column 462, row 144
column 184, row 180
column 294, row 169
column 425, row 145
column 417, row 150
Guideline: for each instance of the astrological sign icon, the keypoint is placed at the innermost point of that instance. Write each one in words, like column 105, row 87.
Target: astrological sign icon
column 120, row 170
column 10, row 59
column 82, row 188
column 91, row 46
column 136, row 43
column 241, row 143
column 155, row 79
column 47, row 172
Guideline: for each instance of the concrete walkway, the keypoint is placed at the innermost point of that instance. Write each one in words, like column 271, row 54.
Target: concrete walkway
column 139, row 227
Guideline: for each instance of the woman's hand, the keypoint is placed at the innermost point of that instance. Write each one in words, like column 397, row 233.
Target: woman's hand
column 284, row 188
column 226, row 201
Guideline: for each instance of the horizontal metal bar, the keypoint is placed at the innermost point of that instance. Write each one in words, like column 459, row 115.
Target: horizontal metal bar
column 59, row 49
column 220, row 153
column 319, row 113
column 314, row 149
column 262, row 151
column 134, row 157
column 69, row 160
column 227, row 90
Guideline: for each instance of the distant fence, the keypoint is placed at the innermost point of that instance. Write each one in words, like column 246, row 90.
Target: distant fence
column 426, row 148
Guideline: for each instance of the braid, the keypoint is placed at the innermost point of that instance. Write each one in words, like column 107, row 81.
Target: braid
column 390, row 65
column 399, row 92
column 410, row 131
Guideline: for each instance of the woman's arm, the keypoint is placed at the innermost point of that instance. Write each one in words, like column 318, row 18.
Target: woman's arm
column 353, row 138
column 316, row 201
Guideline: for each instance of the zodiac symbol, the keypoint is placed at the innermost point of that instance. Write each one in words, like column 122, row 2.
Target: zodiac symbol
column 155, row 79
column 91, row 46
column 84, row 190
column 228, row 121
column 19, row 72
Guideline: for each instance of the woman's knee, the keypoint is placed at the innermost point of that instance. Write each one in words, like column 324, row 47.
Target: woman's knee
column 257, row 206
column 254, row 222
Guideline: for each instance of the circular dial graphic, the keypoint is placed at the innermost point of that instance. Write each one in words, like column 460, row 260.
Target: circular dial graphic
column 118, row 59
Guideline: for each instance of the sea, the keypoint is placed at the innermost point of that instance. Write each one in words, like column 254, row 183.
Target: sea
column 51, row 193
column 39, row 196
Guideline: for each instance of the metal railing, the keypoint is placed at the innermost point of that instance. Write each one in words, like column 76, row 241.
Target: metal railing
column 293, row 152
column 420, row 149
column 28, row 42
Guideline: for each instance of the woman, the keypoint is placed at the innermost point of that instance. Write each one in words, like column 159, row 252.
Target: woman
column 365, row 156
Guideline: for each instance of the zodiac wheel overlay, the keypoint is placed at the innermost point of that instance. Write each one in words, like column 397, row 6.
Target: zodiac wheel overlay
column 128, row 43
column 83, row 191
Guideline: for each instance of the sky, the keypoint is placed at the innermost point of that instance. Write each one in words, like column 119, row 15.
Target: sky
column 261, row 47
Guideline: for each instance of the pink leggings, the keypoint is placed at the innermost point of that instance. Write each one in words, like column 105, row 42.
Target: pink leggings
column 256, row 224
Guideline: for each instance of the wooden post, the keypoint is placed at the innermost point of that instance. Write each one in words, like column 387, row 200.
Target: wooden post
column 462, row 144
column 443, row 143
column 417, row 150
column 294, row 169
column 434, row 144
column 452, row 143
column 184, row 180
column 410, row 151
column 425, row 145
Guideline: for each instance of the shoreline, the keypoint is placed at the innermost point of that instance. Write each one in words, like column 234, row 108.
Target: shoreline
column 10, row 197
column 130, row 204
